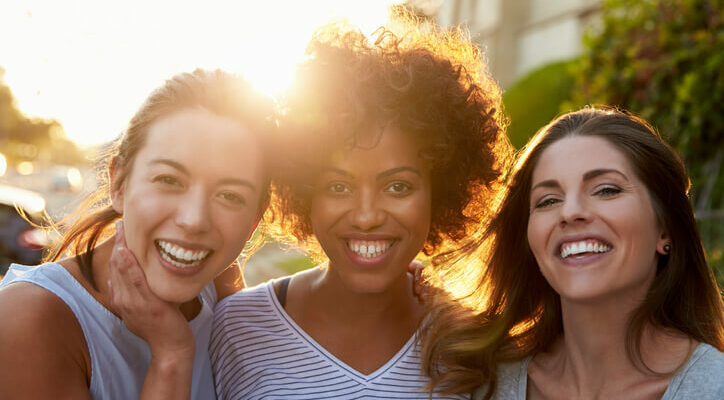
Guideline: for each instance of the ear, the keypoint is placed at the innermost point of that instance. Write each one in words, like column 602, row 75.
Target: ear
column 663, row 245
column 116, row 187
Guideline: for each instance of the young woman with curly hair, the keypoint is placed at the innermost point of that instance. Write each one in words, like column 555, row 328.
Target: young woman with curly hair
column 124, row 311
column 595, row 282
column 395, row 146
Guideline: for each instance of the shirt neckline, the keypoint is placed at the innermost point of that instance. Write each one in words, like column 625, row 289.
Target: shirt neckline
column 319, row 349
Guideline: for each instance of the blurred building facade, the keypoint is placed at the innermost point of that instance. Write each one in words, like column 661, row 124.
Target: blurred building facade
column 521, row 35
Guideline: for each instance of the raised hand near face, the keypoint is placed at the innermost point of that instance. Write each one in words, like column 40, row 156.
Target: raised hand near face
column 158, row 322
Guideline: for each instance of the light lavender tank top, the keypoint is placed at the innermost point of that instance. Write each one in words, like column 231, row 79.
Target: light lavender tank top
column 119, row 359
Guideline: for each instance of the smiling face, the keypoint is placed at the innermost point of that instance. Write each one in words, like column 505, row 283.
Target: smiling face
column 371, row 212
column 191, row 200
column 592, row 227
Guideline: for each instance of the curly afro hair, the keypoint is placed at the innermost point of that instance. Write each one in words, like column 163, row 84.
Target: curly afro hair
column 430, row 83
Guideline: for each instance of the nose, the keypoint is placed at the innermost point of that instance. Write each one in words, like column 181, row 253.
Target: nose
column 367, row 213
column 192, row 212
column 574, row 210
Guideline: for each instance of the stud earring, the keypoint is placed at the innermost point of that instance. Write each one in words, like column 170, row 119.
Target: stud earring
column 667, row 248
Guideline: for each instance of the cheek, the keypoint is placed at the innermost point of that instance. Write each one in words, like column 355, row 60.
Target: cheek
column 236, row 229
column 324, row 212
column 537, row 234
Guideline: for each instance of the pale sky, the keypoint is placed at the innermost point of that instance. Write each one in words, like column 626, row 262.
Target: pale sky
column 90, row 63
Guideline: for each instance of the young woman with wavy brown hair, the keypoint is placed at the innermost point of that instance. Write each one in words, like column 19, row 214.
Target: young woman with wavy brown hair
column 594, row 282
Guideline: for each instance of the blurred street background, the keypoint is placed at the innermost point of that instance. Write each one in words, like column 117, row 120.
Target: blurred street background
column 72, row 74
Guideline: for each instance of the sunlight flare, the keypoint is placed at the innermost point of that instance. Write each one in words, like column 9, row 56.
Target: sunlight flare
column 91, row 64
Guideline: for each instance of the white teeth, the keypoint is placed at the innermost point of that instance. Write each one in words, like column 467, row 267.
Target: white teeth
column 585, row 246
column 181, row 257
column 369, row 248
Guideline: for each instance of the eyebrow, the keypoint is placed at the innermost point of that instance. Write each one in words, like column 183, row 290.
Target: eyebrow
column 226, row 181
column 379, row 176
column 586, row 177
column 170, row 163
column 598, row 172
column 393, row 171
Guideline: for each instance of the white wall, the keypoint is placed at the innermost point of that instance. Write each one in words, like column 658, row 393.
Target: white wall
column 521, row 35
column 560, row 40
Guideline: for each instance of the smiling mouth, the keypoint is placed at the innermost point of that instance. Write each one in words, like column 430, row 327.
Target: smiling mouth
column 584, row 247
column 369, row 248
column 179, row 256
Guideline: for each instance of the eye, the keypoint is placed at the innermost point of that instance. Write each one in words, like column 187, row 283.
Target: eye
column 233, row 197
column 608, row 191
column 338, row 188
column 398, row 188
column 167, row 180
column 546, row 202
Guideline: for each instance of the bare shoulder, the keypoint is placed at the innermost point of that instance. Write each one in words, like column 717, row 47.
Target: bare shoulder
column 40, row 334
column 230, row 281
column 300, row 282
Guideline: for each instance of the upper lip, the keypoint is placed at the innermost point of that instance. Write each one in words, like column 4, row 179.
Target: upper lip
column 186, row 245
column 577, row 238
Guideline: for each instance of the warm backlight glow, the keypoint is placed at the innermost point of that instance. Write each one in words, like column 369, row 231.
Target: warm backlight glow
column 89, row 64
column 25, row 168
column 3, row 164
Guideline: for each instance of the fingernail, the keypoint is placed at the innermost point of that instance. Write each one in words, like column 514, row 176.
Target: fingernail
column 109, row 283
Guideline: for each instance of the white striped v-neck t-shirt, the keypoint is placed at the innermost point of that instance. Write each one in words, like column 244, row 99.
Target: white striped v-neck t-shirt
column 259, row 352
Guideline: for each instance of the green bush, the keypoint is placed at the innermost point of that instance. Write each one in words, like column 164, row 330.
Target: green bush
column 664, row 60
column 536, row 99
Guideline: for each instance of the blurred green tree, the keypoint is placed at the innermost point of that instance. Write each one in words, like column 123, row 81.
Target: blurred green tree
column 664, row 60
column 537, row 98
column 27, row 139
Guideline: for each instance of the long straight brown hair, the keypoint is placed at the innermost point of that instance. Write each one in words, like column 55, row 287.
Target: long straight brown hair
column 521, row 314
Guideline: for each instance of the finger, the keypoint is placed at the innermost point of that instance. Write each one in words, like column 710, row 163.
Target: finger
column 124, row 279
column 133, row 274
column 115, row 285
column 414, row 266
column 120, row 238
column 418, row 284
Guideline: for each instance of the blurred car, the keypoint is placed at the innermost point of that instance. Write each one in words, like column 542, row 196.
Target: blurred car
column 20, row 241
column 66, row 179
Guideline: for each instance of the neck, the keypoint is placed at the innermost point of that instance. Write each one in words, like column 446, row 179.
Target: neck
column 594, row 340
column 340, row 303
column 592, row 355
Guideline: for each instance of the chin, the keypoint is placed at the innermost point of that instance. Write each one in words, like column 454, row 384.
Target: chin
column 174, row 295
column 368, row 284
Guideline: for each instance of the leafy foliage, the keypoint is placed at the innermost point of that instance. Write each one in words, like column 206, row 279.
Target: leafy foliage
column 536, row 99
column 664, row 60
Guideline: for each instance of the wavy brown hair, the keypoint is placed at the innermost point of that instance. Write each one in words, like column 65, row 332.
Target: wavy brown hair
column 431, row 84
column 216, row 91
column 521, row 315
